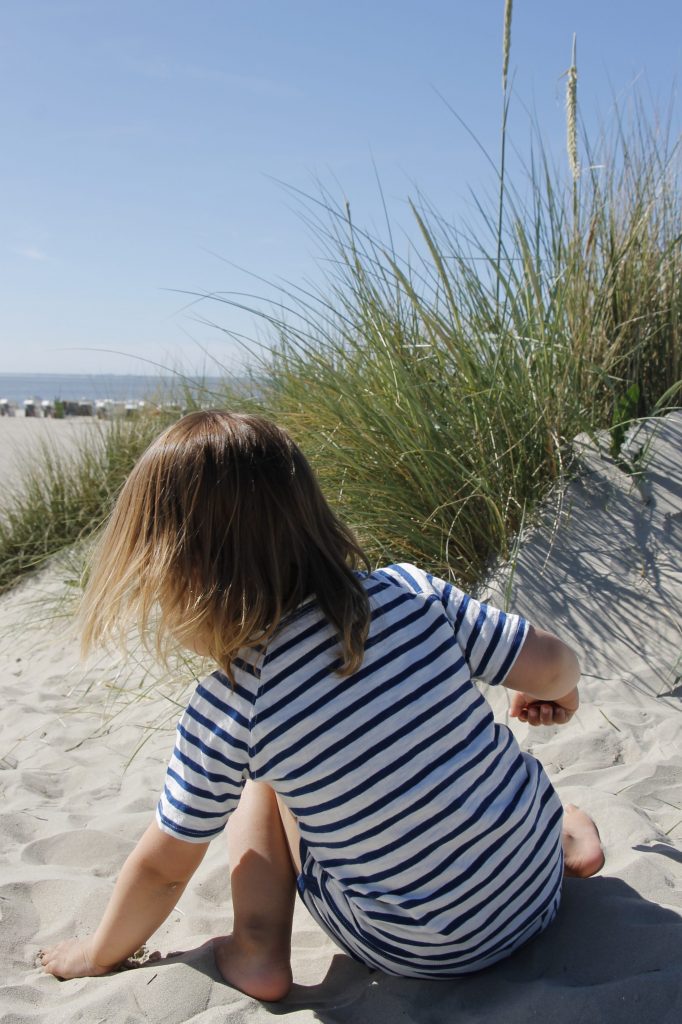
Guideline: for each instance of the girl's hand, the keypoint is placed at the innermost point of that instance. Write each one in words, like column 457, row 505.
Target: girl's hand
column 72, row 959
column 544, row 712
column 151, row 882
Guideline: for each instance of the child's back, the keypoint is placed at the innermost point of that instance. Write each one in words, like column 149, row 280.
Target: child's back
column 430, row 843
column 343, row 737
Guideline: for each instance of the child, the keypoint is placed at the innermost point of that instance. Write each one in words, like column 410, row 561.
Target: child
column 343, row 736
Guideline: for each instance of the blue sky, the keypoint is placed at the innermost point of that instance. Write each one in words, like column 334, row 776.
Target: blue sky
column 140, row 140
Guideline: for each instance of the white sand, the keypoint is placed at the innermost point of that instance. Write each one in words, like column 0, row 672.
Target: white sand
column 71, row 810
column 21, row 438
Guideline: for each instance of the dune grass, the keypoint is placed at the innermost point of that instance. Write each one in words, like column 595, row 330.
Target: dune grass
column 438, row 394
column 437, row 391
column 64, row 497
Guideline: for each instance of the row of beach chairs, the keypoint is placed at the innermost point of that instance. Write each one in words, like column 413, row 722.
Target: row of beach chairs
column 102, row 408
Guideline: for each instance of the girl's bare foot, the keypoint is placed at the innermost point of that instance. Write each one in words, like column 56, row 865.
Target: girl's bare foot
column 583, row 854
column 253, row 968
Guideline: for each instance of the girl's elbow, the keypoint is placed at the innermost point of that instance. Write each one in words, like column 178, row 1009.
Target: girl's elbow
column 169, row 860
column 566, row 668
column 546, row 667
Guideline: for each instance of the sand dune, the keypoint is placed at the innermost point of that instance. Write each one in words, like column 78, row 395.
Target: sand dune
column 22, row 437
column 609, row 578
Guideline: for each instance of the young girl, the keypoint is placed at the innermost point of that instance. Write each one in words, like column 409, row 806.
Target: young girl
column 342, row 735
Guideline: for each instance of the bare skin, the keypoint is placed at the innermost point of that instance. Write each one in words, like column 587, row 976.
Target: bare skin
column 545, row 677
column 261, row 969
column 264, row 857
column 256, row 957
column 535, row 712
column 263, row 844
column 583, row 853
column 149, row 886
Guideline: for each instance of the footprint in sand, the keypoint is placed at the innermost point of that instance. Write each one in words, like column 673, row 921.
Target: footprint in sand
column 43, row 783
column 43, row 911
column 101, row 853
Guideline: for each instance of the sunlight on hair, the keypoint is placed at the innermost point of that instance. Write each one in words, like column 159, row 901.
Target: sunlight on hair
column 221, row 530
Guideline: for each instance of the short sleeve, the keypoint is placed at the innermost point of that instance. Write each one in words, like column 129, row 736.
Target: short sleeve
column 489, row 638
column 209, row 763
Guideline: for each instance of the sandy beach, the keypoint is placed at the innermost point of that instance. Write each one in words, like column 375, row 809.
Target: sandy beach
column 23, row 436
column 607, row 577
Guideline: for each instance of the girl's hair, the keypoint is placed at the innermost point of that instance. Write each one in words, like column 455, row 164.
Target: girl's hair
column 222, row 529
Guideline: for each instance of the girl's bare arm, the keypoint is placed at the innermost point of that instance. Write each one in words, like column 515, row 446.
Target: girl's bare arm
column 150, row 884
column 545, row 677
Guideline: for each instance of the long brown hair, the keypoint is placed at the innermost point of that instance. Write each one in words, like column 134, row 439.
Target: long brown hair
column 219, row 531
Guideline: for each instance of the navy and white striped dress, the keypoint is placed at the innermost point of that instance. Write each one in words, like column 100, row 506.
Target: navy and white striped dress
column 430, row 844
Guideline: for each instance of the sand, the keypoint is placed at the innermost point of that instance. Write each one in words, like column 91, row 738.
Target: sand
column 608, row 577
column 22, row 437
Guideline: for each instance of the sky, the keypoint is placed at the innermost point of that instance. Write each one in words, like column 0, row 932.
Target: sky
column 153, row 151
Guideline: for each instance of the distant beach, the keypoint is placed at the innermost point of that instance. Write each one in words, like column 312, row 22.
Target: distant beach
column 18, row 387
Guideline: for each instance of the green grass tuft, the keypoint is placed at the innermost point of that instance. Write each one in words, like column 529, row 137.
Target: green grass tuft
column 63, row 498
column 438, row 398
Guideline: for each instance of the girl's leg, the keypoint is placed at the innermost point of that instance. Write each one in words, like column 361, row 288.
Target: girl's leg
column 583, row 854
column 256, row 957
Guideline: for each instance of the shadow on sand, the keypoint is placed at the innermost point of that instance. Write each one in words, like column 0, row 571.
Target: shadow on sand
column 610, row 956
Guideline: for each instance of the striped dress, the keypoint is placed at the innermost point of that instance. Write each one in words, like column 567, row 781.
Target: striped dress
column 430, row 844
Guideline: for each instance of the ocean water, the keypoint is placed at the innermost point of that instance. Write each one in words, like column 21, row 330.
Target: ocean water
column 17, row 387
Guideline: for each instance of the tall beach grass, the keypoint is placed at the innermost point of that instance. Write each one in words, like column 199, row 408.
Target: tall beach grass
column 438, row 392
column 63, row 497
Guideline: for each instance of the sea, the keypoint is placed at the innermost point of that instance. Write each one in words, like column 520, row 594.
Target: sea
column 17, row 387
